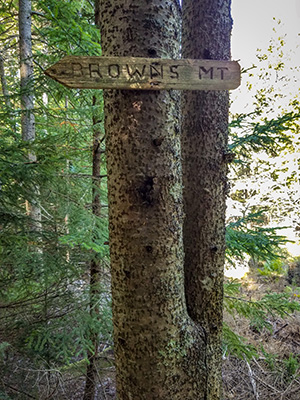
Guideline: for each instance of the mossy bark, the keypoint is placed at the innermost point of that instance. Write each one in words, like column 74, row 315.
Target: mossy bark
column 206, row 35
column 161, row 353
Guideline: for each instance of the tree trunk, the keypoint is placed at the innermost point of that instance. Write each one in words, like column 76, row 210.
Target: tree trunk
column 95, row 267
column 4, row 84
column 6, row 95
column 206, row 35
column 157, row 346
column 26, row 71
column 27, row 106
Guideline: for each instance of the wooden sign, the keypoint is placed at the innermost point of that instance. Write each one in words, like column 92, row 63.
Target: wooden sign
column 145, row 73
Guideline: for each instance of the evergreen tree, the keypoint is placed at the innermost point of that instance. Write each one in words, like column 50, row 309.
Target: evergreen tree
column 206, row 35
column 265, row 174
column 45, row 305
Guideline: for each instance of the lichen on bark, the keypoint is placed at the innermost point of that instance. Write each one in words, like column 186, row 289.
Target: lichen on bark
column 206, row 35
column 161, row 352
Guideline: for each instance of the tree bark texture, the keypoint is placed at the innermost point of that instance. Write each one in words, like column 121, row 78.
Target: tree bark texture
column 27, row 99
column 206, row 35
column 26, row 71
column 96, row 265
column 4, row 84
column 6, row 95
column 155, row 342
column 92, row 376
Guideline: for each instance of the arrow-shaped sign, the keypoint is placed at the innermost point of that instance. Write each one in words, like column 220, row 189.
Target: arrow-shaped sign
column 145, row 73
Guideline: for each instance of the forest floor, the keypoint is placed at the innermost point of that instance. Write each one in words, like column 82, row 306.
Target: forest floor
column 275, row 373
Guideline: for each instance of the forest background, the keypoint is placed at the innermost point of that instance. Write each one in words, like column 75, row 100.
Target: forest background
column 54, row 319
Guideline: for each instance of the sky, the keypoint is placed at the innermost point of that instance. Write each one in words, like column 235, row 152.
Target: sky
column 253, row 27
column 253, row 24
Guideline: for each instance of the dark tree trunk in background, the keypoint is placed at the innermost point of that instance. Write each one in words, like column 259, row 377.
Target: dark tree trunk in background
column 206, row 35
column 92, row 375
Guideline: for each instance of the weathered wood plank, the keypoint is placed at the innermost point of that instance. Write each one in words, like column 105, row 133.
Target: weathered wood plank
column 145, row 73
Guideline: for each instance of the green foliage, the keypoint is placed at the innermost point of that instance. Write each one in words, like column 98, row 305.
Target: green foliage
column 272, row 304
column 3, row 347
column 271, row 135
column 249, row 236
column 270, row 359
column 45, row 310
column 264, row 196
column 4, row 396
column 287, row 367
column 258, row 313
column 66, row 338
column 236, row 345
column 70, row 26
column 264, row 137
column 291, row 365
column 272, row 268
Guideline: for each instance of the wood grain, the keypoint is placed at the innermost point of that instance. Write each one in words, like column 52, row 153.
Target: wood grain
column 145, row 73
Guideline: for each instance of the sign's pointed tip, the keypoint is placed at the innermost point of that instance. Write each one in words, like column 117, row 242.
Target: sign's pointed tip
column 54, row 74
column 50, row 72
